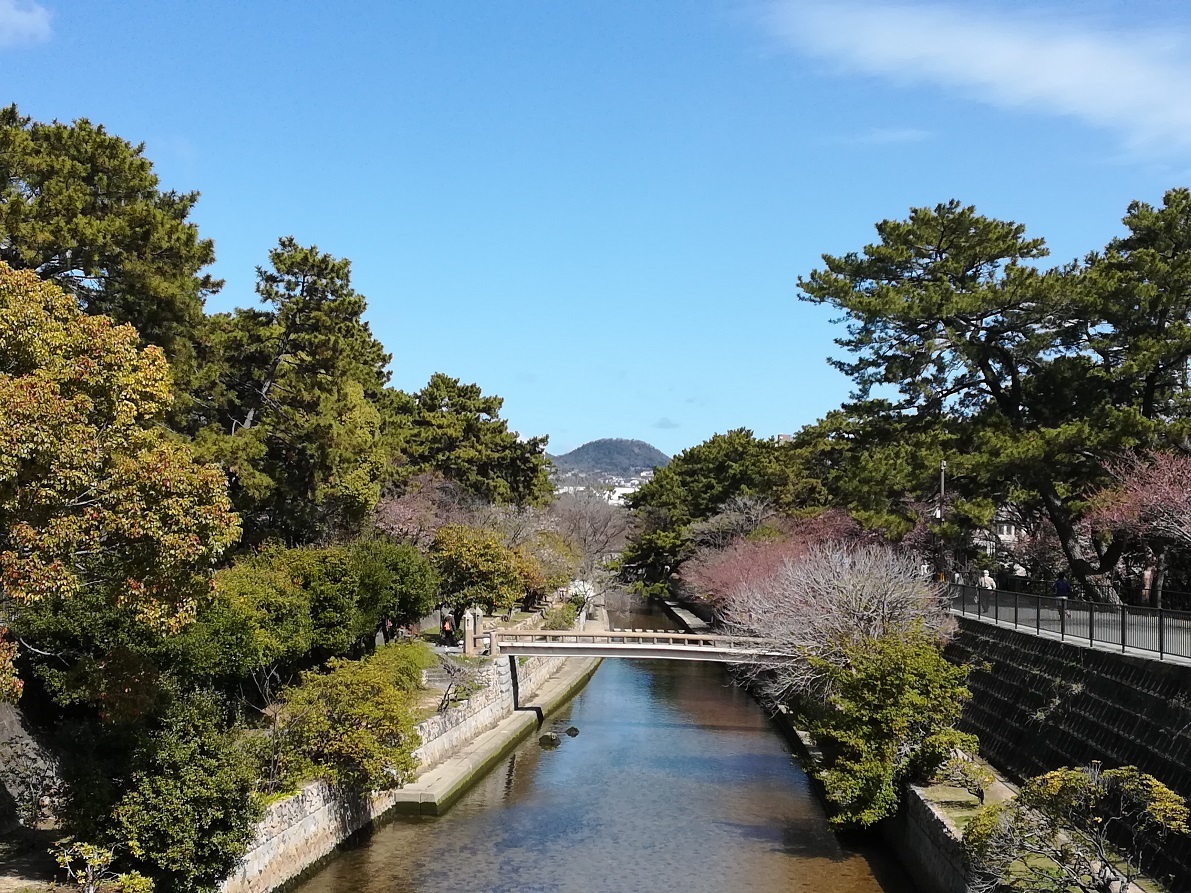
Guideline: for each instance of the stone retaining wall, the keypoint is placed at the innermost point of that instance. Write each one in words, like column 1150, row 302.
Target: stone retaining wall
column 15, row 736
column 300, row 831
column 922, row 838
column 1040, row 704
column 927, row 844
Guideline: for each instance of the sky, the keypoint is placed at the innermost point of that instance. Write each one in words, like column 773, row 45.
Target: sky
column 600, row 209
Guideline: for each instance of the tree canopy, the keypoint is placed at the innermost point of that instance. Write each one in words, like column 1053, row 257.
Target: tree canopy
column 289, row 400
column 1033, row 377
column 456, row 430
column 96, row 501
column 83, row 209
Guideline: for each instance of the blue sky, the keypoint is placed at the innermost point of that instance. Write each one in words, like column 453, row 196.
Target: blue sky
column 600, row 210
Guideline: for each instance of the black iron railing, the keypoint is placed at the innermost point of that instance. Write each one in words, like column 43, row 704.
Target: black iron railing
column 1156, row 632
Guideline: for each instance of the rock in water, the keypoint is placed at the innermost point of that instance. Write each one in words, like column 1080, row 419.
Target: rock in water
column 549, row 740
column 572, row 731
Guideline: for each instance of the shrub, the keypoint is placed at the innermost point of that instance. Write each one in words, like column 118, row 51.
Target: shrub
column 560, row 617
column 188, row 813
column 354, row 725
column 1074, row 829
column 889, row 719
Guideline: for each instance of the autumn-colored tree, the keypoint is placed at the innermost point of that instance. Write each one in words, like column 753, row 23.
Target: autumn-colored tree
column 97, row 503
column 10, row 685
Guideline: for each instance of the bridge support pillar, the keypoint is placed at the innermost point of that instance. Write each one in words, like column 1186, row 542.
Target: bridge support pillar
column 493, row 644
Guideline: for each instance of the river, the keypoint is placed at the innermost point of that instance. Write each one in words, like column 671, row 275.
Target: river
column 677, row 781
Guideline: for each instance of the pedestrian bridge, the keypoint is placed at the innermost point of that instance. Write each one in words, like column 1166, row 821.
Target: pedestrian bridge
column 645, row 644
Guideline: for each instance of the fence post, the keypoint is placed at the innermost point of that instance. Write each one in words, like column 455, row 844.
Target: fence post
column 1091, row 624
column 1161, row 636
column 1016, row 597
column 1124, row 626
column 1062, row 618
column 1038, row 615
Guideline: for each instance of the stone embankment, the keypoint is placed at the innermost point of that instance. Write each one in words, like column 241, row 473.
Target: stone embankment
column 1040, row 704
column 459, row 746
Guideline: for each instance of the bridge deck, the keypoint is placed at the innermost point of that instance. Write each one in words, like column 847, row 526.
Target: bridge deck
column 642, row 644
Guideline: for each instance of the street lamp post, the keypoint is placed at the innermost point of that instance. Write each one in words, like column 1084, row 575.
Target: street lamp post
column 939, row 518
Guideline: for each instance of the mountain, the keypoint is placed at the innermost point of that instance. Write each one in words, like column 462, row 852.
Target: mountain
column 611, row 456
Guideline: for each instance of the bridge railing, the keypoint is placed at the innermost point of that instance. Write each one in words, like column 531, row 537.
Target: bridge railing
column 1156, row 632
column 623, row 637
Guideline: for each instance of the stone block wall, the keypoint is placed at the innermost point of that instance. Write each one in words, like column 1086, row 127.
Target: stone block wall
column 1039, row 704
column 15, row 735
column 927, row 844
column 300, row 831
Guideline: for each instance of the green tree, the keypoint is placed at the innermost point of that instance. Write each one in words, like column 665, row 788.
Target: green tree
column 1074, row 829
column 474, row 567
column 456, row 430
column 257, row 626
column 83, row 209
column 1041, row 375
column 396, row 581
column 290, row 397
column 699, row 482
column 888, row 719
column 188, row 813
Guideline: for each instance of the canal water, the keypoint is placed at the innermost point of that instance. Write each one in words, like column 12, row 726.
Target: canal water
column 677, row 781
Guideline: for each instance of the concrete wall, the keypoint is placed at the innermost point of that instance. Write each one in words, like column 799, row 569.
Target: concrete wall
column 1040, row 704
column 302, row 830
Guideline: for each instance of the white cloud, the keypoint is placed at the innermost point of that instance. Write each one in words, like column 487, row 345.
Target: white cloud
column 23, row 21
column 1136, row 84
column 886, row 136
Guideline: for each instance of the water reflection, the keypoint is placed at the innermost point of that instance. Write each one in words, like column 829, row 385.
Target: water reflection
column 676, row 782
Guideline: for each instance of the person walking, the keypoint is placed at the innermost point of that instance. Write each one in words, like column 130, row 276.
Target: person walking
column 985, row 582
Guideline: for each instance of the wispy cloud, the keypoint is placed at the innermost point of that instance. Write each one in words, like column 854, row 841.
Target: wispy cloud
column 886, row 136
column 1136, row 84
column 23, row 21
column 666, row 423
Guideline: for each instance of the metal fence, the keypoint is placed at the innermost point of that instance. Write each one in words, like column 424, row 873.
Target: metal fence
column 1147, row 631
column 1130, row 591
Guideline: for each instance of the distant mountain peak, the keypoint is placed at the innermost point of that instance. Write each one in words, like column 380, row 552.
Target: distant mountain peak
column 611, row 456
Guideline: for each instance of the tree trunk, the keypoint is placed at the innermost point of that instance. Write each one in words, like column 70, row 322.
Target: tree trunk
column 1081, row 567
